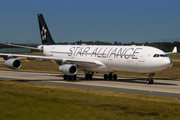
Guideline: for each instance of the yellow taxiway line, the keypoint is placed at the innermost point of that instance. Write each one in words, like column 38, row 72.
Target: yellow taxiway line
column 115, row 87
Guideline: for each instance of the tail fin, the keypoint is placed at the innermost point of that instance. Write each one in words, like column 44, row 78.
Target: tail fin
column 44, row 31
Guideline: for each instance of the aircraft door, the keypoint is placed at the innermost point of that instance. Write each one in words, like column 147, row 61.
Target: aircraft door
column 142, row 56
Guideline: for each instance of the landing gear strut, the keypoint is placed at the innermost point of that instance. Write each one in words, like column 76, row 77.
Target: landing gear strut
column 150, row 79
column 70, row 77
column 88, row 75
column 110, row 76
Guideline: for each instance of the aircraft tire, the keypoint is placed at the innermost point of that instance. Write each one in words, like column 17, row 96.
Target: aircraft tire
column 86, row 77
column 90, row 76
column 105, row 76
column 69, row 77
column 110, row 76
column 65, row 77
column 115, row 77
column 74, row 77
column 149, row 81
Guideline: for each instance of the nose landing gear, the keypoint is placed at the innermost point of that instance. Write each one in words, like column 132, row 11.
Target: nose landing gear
column 150, row 79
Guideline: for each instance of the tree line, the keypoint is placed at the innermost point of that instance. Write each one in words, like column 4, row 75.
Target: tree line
column 165, row 46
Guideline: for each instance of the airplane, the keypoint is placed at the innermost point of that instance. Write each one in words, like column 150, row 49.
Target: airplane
column 95, row 58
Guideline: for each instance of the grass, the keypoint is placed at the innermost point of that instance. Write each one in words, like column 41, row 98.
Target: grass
column 27, row 101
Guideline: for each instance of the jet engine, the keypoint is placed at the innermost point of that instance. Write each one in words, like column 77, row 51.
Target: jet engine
column 13, row 63
column 68, row 69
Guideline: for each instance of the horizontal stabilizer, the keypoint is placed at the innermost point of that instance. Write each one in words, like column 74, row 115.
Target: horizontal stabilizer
column 24, row 47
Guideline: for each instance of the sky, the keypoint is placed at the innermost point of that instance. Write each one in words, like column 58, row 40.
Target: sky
column 91, row 20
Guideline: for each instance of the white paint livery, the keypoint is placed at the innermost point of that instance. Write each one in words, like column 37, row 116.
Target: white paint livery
column 137, row 59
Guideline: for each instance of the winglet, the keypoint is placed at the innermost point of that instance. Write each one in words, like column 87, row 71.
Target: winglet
column 173, row 52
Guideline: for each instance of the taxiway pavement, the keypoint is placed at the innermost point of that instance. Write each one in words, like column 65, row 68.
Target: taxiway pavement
column 166, row 88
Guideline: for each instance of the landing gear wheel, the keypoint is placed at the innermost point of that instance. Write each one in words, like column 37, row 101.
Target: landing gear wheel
column 69, row 77
column 88, row 76
column 74, row 77
column 115, row 77
column 65, row 77
column 110, row 76
column 150, row 79
column 105, row 76
column 147, row 81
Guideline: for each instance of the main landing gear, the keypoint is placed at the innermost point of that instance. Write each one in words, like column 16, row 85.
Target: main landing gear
column 150, row 79
column 88, row 75
column 110, row 76
column 69, row 77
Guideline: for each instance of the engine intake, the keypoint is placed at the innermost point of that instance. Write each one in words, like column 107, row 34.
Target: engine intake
column 13, row 63
column 68, row 69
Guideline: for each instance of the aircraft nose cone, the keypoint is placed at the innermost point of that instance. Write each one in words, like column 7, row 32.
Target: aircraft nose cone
column 171, row 64
column 167, row 62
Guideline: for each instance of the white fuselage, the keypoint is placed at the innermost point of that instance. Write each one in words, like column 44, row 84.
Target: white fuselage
column 137, row 59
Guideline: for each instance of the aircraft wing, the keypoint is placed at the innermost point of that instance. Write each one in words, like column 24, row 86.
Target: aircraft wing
column 176, row 60
column 79, row 62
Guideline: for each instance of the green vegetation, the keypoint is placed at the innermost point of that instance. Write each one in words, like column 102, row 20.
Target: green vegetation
column 27, row 101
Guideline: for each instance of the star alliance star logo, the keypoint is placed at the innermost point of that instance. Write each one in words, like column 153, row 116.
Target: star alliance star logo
column 43, row 33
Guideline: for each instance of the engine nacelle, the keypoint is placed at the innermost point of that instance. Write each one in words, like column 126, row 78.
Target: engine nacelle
column 13, row 63
column 68, row 69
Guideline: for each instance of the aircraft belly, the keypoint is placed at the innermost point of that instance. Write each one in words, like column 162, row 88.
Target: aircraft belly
column 124, row 65
column 95, row 69
column 102, row 68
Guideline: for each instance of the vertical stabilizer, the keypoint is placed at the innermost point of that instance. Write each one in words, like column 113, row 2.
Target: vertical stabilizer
column 44, row 31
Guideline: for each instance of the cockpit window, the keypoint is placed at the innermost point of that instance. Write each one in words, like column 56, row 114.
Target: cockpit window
column 160, row 55
column 155, row 55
